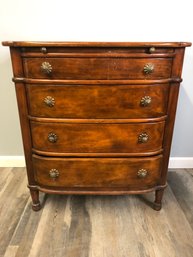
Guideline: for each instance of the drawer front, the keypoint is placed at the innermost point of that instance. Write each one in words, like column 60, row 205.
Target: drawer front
column 97, row 137
column 97, row 68
column 97, row 101
column 139, row 173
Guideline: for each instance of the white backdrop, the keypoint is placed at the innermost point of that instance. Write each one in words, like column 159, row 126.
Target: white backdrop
column 89, row 20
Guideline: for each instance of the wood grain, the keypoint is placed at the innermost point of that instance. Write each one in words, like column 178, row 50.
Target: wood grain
column 13, row 198
column 96, row 226
column 97, row 68
column 96, row 44
column 111, row 173
column 98, row 101
column 99, row 91
column 97, row 138
column 181, row 184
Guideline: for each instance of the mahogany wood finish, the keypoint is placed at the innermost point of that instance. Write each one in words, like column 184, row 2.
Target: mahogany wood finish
column 97, row 138
column 98, row 172
column 97, row 118
column 97, row 68
column 113, row 101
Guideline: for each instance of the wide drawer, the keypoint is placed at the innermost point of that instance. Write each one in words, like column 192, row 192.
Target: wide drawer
column 97, row 68
column 71, row 137
column 97, row 101
column 133, row 173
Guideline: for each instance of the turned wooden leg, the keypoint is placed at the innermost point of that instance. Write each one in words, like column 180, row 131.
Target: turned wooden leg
column 36, row 206
column 158, row 199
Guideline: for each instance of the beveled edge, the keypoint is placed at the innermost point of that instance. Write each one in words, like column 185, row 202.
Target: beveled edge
column 96, row 155
column 95, row 82
column 84, row 191
column 97, row 121
column 93, row 44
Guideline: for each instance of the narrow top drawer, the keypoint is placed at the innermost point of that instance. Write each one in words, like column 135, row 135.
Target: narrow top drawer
column 97, row 68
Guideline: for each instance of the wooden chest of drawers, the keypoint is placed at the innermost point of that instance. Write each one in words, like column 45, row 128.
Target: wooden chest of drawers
column 97, row 118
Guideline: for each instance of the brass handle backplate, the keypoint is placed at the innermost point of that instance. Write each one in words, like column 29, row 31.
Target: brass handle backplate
column 54, row 173
column 52, row 137
column 49, row 101
column 46, row 68
column 148, row 68
column 143, row 138
column 145, row 101
column 142, row 173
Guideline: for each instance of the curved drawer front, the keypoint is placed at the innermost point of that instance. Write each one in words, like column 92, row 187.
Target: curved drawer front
column 133, row 173
column 97, row 68
column 97, row 137
column 98, row 101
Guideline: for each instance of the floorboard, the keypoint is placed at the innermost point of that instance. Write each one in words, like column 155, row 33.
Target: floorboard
column 96, row 226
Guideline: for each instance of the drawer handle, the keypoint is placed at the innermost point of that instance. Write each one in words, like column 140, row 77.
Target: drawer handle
column 142, row 173
column 44, row 50
column 52, row 137
column 145, row 101
column 49, row 101
column 54, row 173
column 151, row 50
column 148, row 68
column 143, row 138
column 46, row 68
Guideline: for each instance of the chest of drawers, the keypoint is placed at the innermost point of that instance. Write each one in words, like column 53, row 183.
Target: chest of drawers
column 97, row 118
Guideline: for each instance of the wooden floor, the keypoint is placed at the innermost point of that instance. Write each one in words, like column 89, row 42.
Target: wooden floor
column 95, row 226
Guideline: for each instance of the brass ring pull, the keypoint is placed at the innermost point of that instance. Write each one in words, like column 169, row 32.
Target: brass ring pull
column 52, row 137
column 145, row 101
column 142, row 173
column 148, row 68
column 143, row 138
column 46, row 68
column 54, row 173
column 49, row 101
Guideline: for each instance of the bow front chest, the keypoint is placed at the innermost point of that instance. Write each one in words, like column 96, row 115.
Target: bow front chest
column 97, row 118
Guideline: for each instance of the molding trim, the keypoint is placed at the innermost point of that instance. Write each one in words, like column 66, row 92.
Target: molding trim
column 12, row 161
column 181, row 163
column 174, row 163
